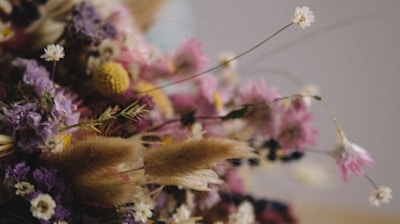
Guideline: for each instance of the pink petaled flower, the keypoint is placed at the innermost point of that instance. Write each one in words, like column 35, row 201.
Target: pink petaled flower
column 351, row 157
column 262, row 113
column 189, row 58
column 183, row 103
column 295, row 129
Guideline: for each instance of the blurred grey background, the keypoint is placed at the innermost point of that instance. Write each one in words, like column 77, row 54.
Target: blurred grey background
column 351, row 52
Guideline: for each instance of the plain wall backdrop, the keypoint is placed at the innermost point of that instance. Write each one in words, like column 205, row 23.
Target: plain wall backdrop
column 351, row 52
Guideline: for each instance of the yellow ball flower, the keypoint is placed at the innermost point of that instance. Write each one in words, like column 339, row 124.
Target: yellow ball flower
column 111, row 79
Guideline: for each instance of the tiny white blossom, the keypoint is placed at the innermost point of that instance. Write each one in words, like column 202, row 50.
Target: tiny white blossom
column 303, row 16
column 53, row 52
column 23, row 188
column 182, row 214
column 244, row 215
column 380, row 195
column 42, row 206
column 142, row 211
column 109, row 50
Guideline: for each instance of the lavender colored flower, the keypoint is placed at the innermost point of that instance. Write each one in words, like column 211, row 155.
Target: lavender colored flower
column 17, row 173
column 45, row 179
column 86, row 25
column 63, row 110
column 36, row 76
column 29, row 126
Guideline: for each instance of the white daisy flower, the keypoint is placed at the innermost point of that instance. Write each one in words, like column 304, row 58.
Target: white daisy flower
column 381, row 194
column 142, row 211
column 53, row 52
column 303, row 16
column 23, row 188
column 42, row 207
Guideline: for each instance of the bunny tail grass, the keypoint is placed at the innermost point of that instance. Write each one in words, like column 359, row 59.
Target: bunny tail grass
column 188, row 163
column 96, row 168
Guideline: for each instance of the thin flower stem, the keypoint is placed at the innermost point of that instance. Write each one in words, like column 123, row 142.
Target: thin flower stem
column 338, row 127
column 371, row 181
column 221, row 64
column 53, row 71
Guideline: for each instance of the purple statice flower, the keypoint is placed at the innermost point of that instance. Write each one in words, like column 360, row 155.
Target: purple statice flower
column 17, row 173
column 87, row 25
column 64, row 110
column 36, row 76
column 45, row 179
column 28, row 125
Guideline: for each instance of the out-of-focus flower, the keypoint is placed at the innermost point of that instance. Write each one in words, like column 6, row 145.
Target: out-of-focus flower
column 189, row 58
column 303, row 16
column 381, row 194
column 45, row 179
column 296, row 129
column 226, row 60
column 351, row 157
column 43, row 206
column 18, row 172
column 21, row 122
column 109, row 50
column 261, row 113
column 244, row 215
column 6, row 31
column 87, row 26
column 23, row 188
column 53, row 52
column 36, row 76
column 182, row 213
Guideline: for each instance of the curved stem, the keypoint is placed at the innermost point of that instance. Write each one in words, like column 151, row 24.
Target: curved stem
column 221, row 64
column 371, row 181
